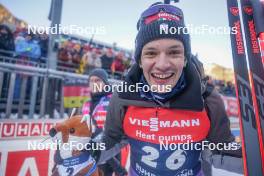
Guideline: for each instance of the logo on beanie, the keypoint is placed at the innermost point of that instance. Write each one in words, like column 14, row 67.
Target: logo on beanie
column 162, row 16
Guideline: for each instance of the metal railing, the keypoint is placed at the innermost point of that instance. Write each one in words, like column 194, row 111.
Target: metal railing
column 24, row 85
column 65, row 66
column 32, row 99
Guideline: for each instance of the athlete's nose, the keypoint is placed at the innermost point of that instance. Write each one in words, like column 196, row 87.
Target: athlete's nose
column 162, row 62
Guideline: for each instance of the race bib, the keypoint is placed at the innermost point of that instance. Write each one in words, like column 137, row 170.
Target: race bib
column 72, row 166
column 157, row 137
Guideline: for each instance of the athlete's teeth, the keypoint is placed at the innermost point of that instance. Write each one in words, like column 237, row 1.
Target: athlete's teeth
column 162, row 76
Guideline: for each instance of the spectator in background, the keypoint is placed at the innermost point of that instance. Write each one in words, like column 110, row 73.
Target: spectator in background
column 19, row 35
column 43, row 43
column 107, row 59
column 96, row 108
column 127, row 62
column 21, row 46
column 35, row 50
column 6, row 40
column 219, row 86
column 210, row 81
column 70, row 46
column 28, row 47
column 76, row 54
column 229, row 89
column 84, row 49
column 99, row 52
column 29, row 50
column 93, row 60
column 63, row 53
column 84, row 61
column 6, row 44
column 222, row 85
column 118, row 66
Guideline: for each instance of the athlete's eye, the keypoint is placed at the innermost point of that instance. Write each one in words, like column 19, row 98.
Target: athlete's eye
column 72, row 130
column 174, row 52
column 149, row 54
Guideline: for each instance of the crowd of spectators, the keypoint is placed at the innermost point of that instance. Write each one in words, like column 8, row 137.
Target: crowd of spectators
column 84, row 57
column 24, row 46
column 73, row 55
column 18, row 46
column 225, row 88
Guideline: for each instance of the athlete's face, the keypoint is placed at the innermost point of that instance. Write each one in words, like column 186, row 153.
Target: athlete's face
column 162, row 62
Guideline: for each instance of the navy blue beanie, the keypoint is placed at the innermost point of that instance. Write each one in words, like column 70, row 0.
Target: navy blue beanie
column 161, row 16
column 101, row 73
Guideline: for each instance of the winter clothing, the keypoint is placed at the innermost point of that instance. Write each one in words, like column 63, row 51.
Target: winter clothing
column 93, row 60
column 97, row 109
column 120, row 111
column 106, row 62
column 101, row 73
column 156, row 24
column 118, row 65
column 163, row 97
column 6, row 40
column 29, row 48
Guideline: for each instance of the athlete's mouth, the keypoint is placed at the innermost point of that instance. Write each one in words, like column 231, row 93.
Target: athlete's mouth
column 162, row 76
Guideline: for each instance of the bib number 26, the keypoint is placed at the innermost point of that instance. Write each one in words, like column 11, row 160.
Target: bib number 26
column 173, row 162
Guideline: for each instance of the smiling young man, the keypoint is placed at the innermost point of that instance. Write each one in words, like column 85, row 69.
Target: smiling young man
column 148, row 119
column 162, row 62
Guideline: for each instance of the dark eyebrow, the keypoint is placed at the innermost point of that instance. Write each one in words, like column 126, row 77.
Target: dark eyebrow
column 172, row 47
column 150, row 48
column 175, row 47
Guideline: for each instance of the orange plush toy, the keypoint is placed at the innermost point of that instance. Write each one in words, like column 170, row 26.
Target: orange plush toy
column 71, row 159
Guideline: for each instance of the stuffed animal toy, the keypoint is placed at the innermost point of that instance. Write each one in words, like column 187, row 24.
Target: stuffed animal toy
column 72, row 160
